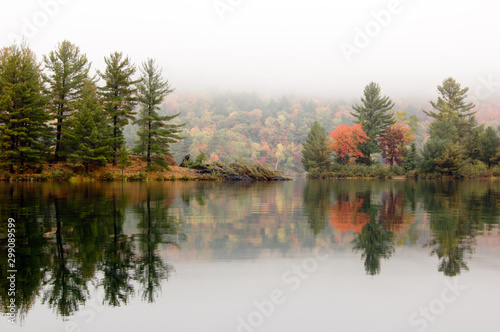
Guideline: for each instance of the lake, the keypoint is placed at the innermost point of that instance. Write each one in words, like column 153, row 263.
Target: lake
column 305, row 255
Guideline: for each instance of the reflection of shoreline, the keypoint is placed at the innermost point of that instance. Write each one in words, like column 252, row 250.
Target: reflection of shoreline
column 78, row 231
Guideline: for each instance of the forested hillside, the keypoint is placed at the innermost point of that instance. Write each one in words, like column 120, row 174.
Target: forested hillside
column 242, row 126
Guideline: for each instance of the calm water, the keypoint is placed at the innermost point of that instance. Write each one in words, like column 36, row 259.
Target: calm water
column 347, row 255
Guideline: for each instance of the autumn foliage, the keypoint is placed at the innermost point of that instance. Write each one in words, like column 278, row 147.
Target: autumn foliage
column 346, row 141
column 346, row 215
column 393, row 143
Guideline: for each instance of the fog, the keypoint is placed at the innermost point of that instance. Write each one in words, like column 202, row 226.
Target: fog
column 317, row 47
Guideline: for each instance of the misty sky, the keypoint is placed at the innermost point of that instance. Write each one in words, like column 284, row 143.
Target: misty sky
column 281, row 46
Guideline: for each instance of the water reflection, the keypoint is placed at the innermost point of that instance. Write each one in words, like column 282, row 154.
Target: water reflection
column 114, row 237
column 70, row 239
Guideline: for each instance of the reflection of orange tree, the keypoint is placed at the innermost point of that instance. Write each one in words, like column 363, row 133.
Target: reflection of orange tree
column 393, row 213
column 347, row 217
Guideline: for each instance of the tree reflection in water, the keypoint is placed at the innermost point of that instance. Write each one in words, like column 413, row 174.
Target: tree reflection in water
column 72, row 238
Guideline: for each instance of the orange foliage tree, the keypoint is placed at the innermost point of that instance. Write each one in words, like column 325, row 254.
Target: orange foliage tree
column 346, row 141
column 346, row 215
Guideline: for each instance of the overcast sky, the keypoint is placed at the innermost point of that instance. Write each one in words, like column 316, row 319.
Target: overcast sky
column 314, row 47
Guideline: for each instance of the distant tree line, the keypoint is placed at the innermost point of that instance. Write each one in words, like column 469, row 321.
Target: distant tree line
column 54, row 110
column 457, row 145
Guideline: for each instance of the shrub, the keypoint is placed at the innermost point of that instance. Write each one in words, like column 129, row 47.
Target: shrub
column 477, row 169
column 382, row 172
column 161, row 177
column 39, row 169
column 138, row 177
column 495, row 171
column 59, row 175
column 106, row 176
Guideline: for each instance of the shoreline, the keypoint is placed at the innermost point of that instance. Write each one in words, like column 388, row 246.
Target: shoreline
column 231, row 172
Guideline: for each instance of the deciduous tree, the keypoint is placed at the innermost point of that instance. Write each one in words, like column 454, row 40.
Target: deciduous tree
column 346, row 141
column 393, row 144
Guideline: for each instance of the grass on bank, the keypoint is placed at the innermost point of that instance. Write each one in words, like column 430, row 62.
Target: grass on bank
column 474, row 170
column 137, row 171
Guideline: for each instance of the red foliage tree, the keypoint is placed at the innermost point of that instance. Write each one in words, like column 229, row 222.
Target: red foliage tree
column 346, row 140
column 392, row 143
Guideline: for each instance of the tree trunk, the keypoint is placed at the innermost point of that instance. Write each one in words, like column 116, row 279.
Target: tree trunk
column 115, row 143
column 149, row 137
column 58, row 138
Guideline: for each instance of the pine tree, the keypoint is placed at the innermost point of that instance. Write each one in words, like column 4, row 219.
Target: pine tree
column 118, row 94
column 374, row 116
column 155, row 133
column 490, row 142
column 454, row 134
column 442, row 133
column 316, row 151
column 85, row 137
column 123, row 159
column 451, row 104
column 451, row 160
column 411, row 160
column 67, row 70
column 23, row 117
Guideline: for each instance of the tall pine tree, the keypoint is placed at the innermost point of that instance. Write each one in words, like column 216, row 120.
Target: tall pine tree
column 85, row 137
column 67, row 70
column 118, row 94
column 316, row 151
column 155, row 132
column 23, row 116
column 451, row 106
column 374, row 115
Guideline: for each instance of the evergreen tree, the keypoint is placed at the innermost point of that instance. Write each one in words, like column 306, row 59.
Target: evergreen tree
column 85, row 137
column 155, row 133
column 442, row 133
column 118, row 94
column 123, row 159
column 451, row 104
column 451, row 160
column 23, row 118
column 67, row 71
column 411, row 159
column 316, row 151
column 490, row 142
column 374, row 116
column 454, row 131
